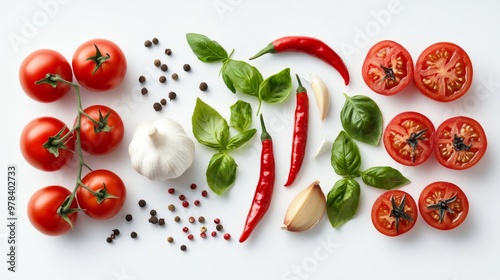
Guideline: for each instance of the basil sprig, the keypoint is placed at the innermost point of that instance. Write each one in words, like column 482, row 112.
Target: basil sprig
column 343, row 199
column 240, row 76
column 362, row 119
column 213, row 131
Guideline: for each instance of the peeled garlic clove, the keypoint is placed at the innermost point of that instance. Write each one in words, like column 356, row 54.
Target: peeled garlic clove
column 306, row 209
column 321, row 95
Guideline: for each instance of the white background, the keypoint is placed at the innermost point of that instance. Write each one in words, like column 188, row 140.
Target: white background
column 357, row 250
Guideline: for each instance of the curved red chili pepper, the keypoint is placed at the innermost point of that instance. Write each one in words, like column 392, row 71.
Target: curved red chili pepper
column 265, row 186
column 309, row 45
column 299, row 141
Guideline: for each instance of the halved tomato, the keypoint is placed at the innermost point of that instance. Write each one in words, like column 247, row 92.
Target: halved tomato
column 388, row 68
column 409, row 138
column 394, row 213
column 443, row 205
column 460, row 142
column 443, row 72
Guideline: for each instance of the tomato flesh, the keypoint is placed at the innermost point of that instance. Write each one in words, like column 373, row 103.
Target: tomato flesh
column 394, row 213
column 443, row 72
column 409, row 138
column 443, row 205
column 388, row 68
column 460, row 143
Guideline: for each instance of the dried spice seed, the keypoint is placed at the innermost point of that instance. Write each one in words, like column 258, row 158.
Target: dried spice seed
column 191, row 219
column 170, row 239
column 227, row 236
column 142, row 203
column 157, row 62
column 171, row 207
column 163, row 101
column 153, row 220
column 172, row 95
column 193, row 186
column 177, row 219
column 182, row 197
column 112, row 236
column 186, row 67
column 155, row 41
column 197, row 202
column 185, row 204
column 157, row 106
column 219, row 227
column 203, row 234
column 133, row 234
column 203, row 86
column 142, row 79
column 183, row 247
column 109, row 239
column 161, row 221
column 152, row 212
column 185, row 229
column 203, row 229
column 162, row 79
column 213, row 233
column 204, row 193
column 128, row 217
column 148, row 43
column 190, row 236
column 171, row 190
column 216, row 220
column 175, row 77
column 201, row 219
column 116, row 232
column 144, row 91
column 164, row 67
column 168, row 51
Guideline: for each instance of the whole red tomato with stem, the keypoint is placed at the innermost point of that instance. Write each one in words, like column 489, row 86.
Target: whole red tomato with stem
column 409, row 138
column 47, row 144
column 443, row 72
column 388, row 68
column 460, row 143
column 99, row 65
column 106, row 196
column 443, row 205
column 36, row 66
column 394, row 213
column 101, row 130
column 47, row 211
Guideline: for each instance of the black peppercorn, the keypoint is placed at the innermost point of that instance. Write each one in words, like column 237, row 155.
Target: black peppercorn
column 156, row 41
column 162, row 79
column 161, row 222
column 157, row 62
column 128, row 217
column 163, row 101
column 152, row 212
column 133, row 234
column 144, row 91
column 113, row 236
column 171, row 207
column 170, row 239
column 147, row 43
column 186, row 67
column 183, row 247
column 153, row 220
column 164, row 67
column 116, row 232
column 109, row 239
column 142, row 203
column 172, row 95
column 203, row 86
column 201, row 219
column 157, row 106
column 177, row 219
column 142, row 79
column 219, row 227
column 175, row 76
column 168, row 51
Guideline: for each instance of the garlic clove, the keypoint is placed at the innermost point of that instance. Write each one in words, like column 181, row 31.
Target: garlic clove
column 321, row 94
column 306, row 209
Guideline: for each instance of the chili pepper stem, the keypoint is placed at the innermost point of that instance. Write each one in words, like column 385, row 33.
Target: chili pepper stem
column 268, row 49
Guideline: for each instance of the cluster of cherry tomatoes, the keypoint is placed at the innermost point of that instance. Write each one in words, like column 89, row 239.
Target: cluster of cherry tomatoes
column 443, row 205
column 48, row 144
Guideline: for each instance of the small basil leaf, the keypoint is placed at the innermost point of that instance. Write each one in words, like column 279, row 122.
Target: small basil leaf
column 209, row 127
column 384, row 177
column 345, row 157
column 362, row 119
column 242, row 77
column 277, row 87
column 205, row 48
column 221, row 172
column 342, row 201
column 241, row 138
column 228, row 82
column 241, row 115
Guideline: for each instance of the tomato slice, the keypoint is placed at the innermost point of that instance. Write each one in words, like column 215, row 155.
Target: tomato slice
column 443, row 72
column 460, row 143
column 409, row 138
column 443, row 205
column 388, row 68
column 394, row 213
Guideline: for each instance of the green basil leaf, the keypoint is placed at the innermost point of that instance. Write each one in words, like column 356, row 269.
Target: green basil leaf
column 362, row 119
column 228, row 82
column 277, row 87
column 209, row 127
column 242, row 77
column 205, row 48
column 241, row 138
column 221, row 172
column 241, row 115
column 345, row 156
column 342, row 201
column 384, row 177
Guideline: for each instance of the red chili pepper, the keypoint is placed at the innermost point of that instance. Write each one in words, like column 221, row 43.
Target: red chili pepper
column 299, row 141
column 310, row 46
column 265, row 186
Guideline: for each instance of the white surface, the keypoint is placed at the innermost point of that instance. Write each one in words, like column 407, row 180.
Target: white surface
column 356, row 251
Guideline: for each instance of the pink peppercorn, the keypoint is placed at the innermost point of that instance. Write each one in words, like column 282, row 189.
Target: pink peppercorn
column 227, row 236
column 204, row 193
column 217, row 220
column 193, row 186
column 185, row 229
column 214, row 233
column 190, row 236
column 182, row 197
column 197, row 202
column 185, row 204
column 171, row 190
column 203, row 235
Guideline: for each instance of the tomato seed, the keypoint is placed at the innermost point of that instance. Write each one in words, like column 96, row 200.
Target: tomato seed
column 144, row 91
column 185, row 204
column 157, row 106
column 142, row 203
column 133, row 234
column 168, row 51
column 186, row 67
column 128, row 217
column 203, row 86
column 227, row 236
column 172, row 95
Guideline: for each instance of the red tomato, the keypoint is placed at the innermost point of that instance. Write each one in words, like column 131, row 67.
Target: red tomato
column 443, row 72
column 460, row 143
column 388, row 68
column 43, row 208
column 104, row 137
column 394, row 213
column 443, row 205
column 104, row 183
column 39, row 136
column 34, row 68
column 409, row 138
column 99, row 65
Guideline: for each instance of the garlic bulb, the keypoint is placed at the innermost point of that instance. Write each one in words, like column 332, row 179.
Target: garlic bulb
column 161, row 149
column 306, row 209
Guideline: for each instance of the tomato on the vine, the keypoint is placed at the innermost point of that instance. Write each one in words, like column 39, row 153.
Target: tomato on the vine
column 460, row 143
column 443, row 72
column 394, row 213
column 36, row 66
column 109, row 197
column 43, row 145
column 45, row 210
column 409, row 138
column 443, row 205
column 99, row 65
column 101, row 130
column 388, row 68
